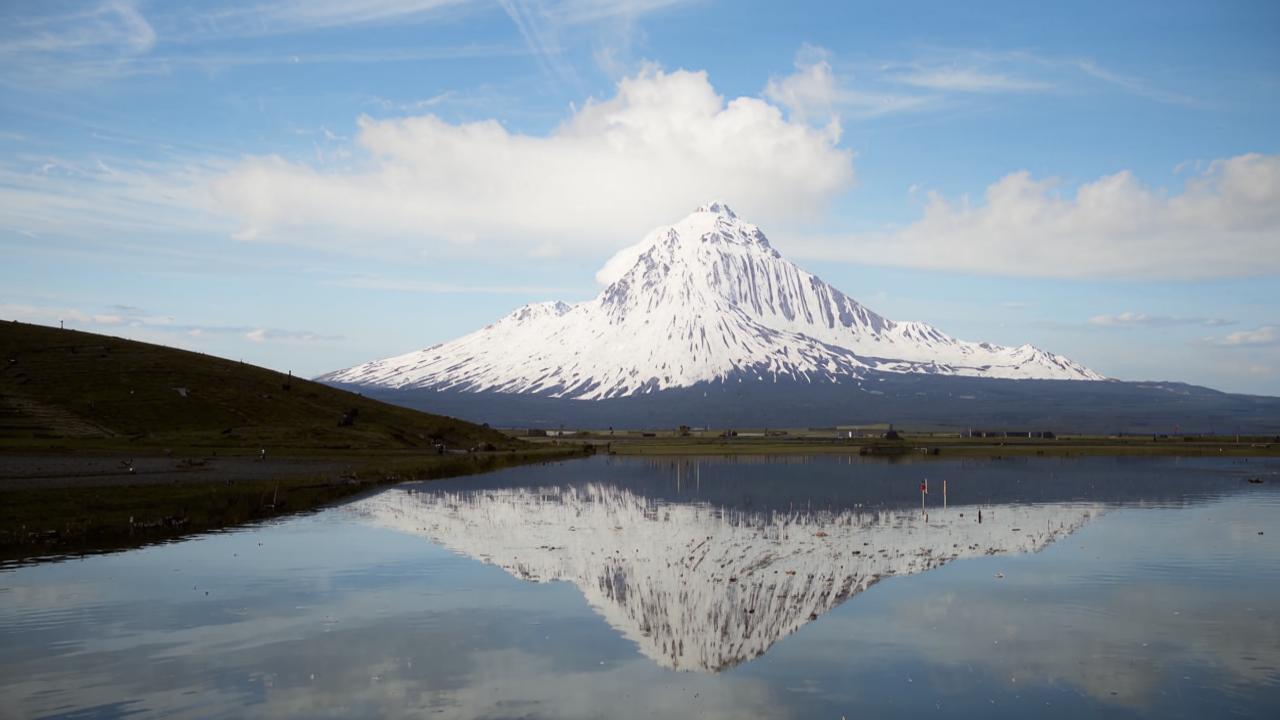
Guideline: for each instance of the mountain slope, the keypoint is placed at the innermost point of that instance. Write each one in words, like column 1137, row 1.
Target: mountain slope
column 64, row 383
column 914, row 400
column 706, row 299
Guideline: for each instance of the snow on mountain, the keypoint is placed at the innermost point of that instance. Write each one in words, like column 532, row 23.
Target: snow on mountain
column 707, row 298
column 700, row 587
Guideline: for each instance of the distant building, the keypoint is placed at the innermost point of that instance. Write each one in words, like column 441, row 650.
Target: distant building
column 1030, row 434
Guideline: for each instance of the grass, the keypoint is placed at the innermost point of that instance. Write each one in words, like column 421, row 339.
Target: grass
column 78, row 391
column 69, row 393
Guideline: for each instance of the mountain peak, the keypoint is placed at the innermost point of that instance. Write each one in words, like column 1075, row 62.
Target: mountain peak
column 716, row 207
column 712, row 224
column 549, row 308
column 702, row 300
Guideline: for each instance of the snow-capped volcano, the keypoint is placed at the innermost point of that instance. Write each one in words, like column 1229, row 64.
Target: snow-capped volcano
column 705, row 299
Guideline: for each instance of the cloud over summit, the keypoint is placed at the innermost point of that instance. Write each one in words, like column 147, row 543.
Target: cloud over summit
column 610, row 172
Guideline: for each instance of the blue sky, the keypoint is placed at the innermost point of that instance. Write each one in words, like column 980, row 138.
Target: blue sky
column 308, row 185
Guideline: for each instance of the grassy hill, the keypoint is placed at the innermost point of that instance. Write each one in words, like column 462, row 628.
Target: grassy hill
column 61, row 387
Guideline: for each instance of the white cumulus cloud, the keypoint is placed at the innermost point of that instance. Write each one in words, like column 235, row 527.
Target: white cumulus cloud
column 1224, row 223
column 663, row 143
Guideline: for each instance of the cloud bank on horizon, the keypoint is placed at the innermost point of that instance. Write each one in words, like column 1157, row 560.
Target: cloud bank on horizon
column 1224, row 223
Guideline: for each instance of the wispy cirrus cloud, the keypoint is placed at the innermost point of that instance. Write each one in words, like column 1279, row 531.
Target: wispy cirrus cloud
column 261, row 335
column 1133, row 85
column 970, row 80
column 541, row 34
column 544, row 25
column 114, row 26
column 936, row 79
column 1026, row 71
column 814, row 92
column 85, row 196
column 1137, row 320
column 228, row 19
column 210, row 62
column 367, row 282
column 110, row 316
column 584, row 11
column 1263, row 336
column 114, row 318
column 121, row 38
column 542, row 18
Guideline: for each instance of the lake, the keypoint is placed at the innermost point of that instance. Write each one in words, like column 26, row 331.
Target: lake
column 710, row 587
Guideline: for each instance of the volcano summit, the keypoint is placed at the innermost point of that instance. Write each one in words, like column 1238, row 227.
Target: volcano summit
column 704, row 323
column 705, row 299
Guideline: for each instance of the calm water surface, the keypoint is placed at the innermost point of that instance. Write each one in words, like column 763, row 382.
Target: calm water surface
column 790, row 587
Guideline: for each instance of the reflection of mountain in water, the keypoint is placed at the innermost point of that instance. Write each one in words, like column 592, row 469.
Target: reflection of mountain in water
column 698, row 587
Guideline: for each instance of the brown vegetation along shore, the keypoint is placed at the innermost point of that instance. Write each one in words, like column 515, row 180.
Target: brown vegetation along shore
column 64, row 505
column 50, row 471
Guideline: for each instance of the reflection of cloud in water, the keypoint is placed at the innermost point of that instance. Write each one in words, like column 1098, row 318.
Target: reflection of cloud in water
column 474, row 663
column 698, row 587
column 1133, row 641
column 1203, row 625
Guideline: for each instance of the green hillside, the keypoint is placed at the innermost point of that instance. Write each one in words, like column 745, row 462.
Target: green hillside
column 71, row 387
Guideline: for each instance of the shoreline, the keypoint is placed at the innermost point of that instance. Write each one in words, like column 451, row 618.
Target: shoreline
column 84, row 498
column 65, row 513
column 926, row 446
